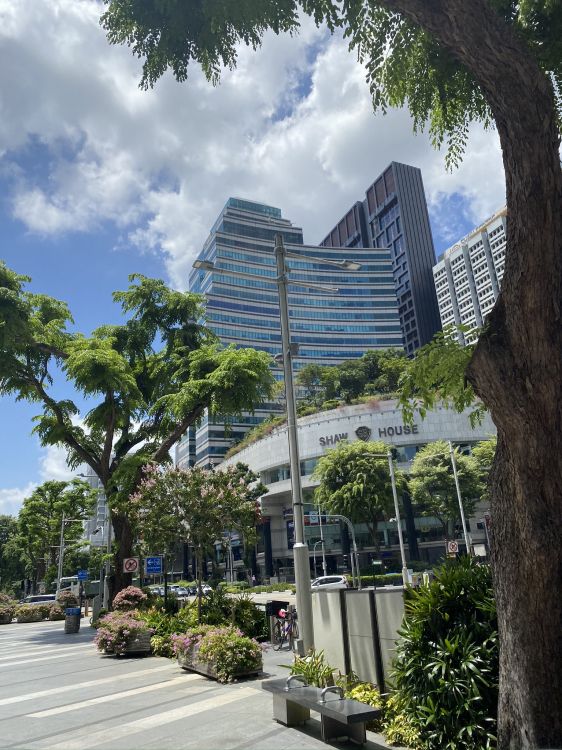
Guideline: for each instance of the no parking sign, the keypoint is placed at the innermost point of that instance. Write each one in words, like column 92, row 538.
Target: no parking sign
column 131, row 565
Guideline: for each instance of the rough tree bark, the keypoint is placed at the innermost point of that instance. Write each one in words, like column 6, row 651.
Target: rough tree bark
column 517, row 368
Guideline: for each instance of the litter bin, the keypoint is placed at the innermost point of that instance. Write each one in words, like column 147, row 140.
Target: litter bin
column 72, row 619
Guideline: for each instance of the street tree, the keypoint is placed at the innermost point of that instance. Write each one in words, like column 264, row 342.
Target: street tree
column 12, row 569
column 41, row 518
column 143, row 382
column 201, row 504
column 354, row 481
column 484, row 453
column 433, row 489
column 452, row 62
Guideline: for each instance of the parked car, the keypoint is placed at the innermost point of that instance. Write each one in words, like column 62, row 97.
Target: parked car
column 39, row 599
column 329, row 582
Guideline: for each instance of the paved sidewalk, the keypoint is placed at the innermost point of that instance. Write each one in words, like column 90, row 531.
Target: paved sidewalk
column 58, row 693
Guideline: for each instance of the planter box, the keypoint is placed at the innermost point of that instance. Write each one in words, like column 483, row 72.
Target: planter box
column 6, row 619
column 191, row 663
column 140, row 644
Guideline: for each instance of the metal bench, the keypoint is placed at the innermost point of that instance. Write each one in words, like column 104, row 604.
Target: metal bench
column 293, row 700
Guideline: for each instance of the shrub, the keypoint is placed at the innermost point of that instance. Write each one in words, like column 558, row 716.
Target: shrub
column 230, row 652
column 44, row 609
column 28, row 613
column 67, row 599
column 6, row 599
column 246, row 616
column 117, row 629
column 56, row 612
column 397, row 726
column 161, row 645
column 446, row 667
column 7, row 611
column 314, row 669
column 365, row 692
column 129, row 598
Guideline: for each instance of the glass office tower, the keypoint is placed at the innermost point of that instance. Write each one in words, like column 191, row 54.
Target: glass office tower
column 394, row 215
column 244, row 309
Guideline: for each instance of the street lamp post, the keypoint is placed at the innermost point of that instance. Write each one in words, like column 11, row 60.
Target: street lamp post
column 62, row 548
column 320, row 541
column 300, row 548
column 398, row 519
column 459, row 497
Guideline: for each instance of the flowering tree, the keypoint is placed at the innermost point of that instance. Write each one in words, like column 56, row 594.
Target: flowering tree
column 196, row 506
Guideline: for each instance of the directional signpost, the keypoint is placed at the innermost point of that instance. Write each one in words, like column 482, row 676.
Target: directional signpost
column 153, row 565
column 82, row 575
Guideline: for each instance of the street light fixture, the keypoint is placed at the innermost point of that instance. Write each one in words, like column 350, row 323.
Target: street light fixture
column 300, row 548
column 459, row 497
column 388, row 456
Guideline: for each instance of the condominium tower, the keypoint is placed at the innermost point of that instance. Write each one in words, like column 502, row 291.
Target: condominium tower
column 242, row 305
column 468, row 275
column 394, row 215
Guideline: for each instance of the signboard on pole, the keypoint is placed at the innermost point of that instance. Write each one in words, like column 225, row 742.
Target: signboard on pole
column 82, row 575
column 153, row 565
column 452, row 548
column 131, row 565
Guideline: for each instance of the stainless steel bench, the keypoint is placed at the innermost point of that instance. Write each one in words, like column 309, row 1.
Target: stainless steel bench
column 293, row 700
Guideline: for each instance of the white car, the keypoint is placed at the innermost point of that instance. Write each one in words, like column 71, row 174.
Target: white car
column 329, row 582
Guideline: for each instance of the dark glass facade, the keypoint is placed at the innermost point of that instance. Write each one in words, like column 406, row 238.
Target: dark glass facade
column 394, row 216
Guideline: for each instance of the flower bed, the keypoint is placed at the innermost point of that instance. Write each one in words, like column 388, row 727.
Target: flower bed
column 221, row 653
column 29, row 613
column 122, row 633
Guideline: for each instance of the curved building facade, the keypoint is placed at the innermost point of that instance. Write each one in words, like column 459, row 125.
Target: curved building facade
column 376, row 420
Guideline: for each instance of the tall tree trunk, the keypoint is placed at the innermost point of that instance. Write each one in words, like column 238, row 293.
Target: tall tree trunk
column 517, row 367
column 124, row 544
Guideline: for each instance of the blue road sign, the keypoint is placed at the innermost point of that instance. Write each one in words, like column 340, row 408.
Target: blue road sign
column 153, row 564
column 82, row 575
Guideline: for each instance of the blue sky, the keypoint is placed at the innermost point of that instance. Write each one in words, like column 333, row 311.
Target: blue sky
column 99, row 179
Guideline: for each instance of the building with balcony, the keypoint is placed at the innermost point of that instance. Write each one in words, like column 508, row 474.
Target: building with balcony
column 469, row 274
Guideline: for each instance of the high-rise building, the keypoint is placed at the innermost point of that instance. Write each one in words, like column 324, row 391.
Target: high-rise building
column 468, row 275
column 242, row 306
column 394, row 215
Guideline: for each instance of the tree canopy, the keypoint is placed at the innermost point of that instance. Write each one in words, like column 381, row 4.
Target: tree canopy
column 40, row 520
column 406, row 65
column 355, row 482
column 143, row 382
column 433, row 488
column 198, row 506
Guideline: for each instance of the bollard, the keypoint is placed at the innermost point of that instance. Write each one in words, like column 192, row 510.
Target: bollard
column 72, row 620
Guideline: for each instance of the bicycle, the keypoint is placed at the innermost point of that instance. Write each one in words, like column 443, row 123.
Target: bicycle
column 285, row 628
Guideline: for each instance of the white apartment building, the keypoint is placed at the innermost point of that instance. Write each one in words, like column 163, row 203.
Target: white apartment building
column 468, row 275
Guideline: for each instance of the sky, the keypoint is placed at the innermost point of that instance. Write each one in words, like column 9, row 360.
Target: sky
column 99, row 179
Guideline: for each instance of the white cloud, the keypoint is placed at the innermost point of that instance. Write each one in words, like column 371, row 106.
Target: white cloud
column 160, row 164
column 11, row 499
column 53, row 466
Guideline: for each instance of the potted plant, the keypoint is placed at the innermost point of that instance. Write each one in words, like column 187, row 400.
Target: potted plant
column 7, row 610
column 223, row 653
column 129, row 598
column 67, row 599
column 123, row 633
column 56, row 612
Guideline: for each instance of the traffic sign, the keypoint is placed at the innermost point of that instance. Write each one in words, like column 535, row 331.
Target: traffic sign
column 131, row 565
column 82, row 575
column 153, row 565
column 452, row 547
column 313, row 518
